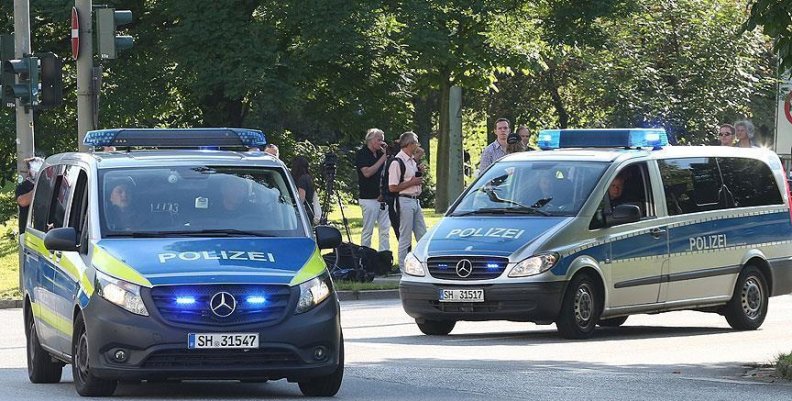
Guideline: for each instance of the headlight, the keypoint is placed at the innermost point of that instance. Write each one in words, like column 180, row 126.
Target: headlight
column 534, row 265
column 121, row 293
column 313, row 292
column 413, row 266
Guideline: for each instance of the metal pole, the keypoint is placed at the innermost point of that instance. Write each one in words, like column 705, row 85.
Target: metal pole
column 456, row 181
column 85, row 89
column 24, row 117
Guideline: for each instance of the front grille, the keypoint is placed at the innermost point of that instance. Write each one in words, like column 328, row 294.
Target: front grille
column 221, row 359
column 484, row 268
column 255, row 304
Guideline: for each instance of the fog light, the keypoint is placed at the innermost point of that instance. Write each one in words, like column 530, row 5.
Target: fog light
column 320, row 353
column 120, row 355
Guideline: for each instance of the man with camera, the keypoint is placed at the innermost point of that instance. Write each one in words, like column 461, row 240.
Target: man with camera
column 369, row 162
column 411, row 221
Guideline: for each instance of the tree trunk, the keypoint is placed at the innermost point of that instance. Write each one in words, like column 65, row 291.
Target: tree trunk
column 441, row 162
column 558, row 103
column 423, row 106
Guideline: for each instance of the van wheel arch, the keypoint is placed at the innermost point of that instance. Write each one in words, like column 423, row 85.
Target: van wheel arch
column 763, row 268
column 581, row 305
column 597, row 277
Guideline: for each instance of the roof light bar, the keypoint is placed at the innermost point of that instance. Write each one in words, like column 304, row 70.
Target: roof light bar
column 176, row 137
column 603, row 138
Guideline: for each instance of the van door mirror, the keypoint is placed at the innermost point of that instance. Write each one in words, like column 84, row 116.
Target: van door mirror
column 623, row 214
column 327, row 237
column 61, row 239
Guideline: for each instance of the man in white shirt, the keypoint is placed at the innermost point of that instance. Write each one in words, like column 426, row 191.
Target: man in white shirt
column 410, row 215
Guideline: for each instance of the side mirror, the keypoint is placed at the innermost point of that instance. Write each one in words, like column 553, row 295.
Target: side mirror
column 623, row 214
column 61, row 239
column 327, row 237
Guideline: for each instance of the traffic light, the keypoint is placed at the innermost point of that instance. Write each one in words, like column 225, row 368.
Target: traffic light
column 51, row 81
column 6, row 54
column 26, row 87
column 107, row 22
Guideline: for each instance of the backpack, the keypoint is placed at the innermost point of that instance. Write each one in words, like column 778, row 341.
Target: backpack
column 385, row 178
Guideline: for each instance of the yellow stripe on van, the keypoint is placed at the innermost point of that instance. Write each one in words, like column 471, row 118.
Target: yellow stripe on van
column 51, row 318
column 107, row 263
column 314, row 267
column 37, row 244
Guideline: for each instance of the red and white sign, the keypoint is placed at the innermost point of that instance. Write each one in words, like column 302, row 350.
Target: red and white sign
column 75, row 34
column 783, row 132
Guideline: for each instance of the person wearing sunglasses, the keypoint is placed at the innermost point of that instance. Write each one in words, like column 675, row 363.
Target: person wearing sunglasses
column 726, row 133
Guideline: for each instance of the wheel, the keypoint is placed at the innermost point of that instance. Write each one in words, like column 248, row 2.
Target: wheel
column 86, row 384
column 41, row 367
column 748, row 306
column 436, row 327
column 580, row 309
column 612, row 322
column 326, row 386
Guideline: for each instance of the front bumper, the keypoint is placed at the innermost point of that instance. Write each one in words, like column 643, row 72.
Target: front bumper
column 157, row 349
column 527, row 302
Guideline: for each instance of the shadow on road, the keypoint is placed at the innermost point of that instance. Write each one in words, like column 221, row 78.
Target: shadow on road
column 551, row 336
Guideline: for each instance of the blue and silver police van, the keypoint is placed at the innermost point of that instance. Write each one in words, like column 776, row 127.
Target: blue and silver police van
column 171, row 259
column 602, row 225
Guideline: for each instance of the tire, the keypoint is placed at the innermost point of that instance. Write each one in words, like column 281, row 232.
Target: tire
column 580, row 308
column 748, row 307
column 86, row 384
column 41, row 367
column 326, row 386
column 436, row 327
column 612, row 322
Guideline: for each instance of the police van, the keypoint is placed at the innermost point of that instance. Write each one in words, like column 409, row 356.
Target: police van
column 168, row 264
column 606, row 224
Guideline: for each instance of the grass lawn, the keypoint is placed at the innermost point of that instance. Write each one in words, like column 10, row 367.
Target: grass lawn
column 9, row 264
column 356, row 286
column 784, row 366
column 9, row 267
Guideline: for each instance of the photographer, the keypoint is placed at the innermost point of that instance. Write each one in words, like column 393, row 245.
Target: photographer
column 369, row 162
column 408, row 187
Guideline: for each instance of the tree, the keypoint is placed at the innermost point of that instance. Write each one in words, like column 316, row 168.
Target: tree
column 775, row 17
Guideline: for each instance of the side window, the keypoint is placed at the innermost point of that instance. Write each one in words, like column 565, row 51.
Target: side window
column 60, row 198
column 693, row 185
column 631, row 186
column 43, row 197
column 750, row 182
column 79, row 205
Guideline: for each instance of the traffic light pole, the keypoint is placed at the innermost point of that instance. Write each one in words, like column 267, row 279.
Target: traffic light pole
column 85, row 88
column 24, row 115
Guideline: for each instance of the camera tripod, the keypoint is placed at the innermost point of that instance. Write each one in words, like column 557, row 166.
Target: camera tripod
column 329, row 167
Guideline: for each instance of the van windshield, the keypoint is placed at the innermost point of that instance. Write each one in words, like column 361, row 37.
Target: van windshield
column 197, row 200
column 541, row 188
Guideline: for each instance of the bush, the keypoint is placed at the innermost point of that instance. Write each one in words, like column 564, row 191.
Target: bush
column 8, row 205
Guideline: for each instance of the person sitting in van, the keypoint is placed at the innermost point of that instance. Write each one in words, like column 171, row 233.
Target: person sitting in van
column 120, row 216
column 616, row 190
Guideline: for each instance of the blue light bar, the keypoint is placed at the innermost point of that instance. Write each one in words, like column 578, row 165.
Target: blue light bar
column 603, row 138
column 176, row 137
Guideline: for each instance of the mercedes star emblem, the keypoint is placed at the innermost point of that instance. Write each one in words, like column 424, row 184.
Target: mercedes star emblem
column 223, row 304
column 464, row 268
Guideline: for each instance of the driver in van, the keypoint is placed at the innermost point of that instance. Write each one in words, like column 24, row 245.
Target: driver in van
column 120, row 216
column 616, row 190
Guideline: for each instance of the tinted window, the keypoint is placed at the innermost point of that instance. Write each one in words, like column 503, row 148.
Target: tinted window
column 750, row 182
column 79, row 204
column 198, row 201
column 42, row 198
column 692, row 185
column 544, row 188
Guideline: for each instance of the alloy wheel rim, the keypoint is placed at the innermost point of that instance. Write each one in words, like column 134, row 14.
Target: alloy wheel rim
column 583, row 305
column 751, row 298
column 31, row 346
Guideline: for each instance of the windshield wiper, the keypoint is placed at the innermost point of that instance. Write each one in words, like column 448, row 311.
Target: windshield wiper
column 505, row 210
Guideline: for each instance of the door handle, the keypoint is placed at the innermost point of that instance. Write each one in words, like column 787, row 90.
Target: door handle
column 657, row 232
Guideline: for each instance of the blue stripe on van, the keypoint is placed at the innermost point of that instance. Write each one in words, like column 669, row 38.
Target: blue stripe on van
column 738, row 231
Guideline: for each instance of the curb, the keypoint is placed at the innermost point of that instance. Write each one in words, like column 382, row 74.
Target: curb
column 367, row 295
column 784, row 369
column 10, row 303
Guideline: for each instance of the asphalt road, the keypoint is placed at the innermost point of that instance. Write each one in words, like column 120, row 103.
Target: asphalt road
column 673, row 356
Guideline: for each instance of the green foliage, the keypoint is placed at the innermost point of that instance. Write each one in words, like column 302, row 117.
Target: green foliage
column 774, row 17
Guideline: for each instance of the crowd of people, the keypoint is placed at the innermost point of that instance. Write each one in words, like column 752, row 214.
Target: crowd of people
column 391, row 178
